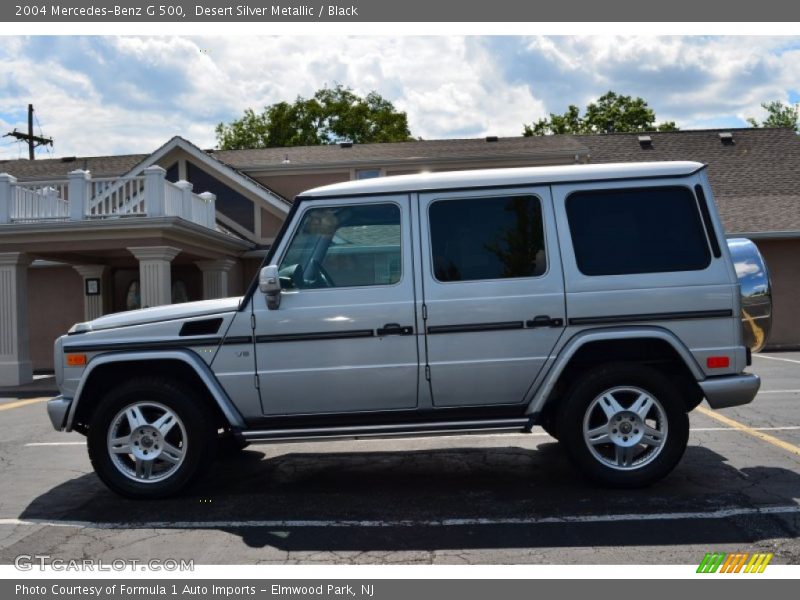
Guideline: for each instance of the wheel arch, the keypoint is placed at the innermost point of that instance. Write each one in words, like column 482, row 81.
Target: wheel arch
column 634, row 344
column 183, row 365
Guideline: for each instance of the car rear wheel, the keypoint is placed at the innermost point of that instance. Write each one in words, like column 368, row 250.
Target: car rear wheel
column 624, row 425
column 149, row 437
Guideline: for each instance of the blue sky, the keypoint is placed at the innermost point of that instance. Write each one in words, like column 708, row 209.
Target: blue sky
column 101, row 95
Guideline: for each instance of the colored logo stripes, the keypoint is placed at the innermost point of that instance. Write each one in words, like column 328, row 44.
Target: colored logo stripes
column 738, row 562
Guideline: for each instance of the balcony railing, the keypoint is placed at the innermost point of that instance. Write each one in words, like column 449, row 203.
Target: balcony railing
column 81, row 197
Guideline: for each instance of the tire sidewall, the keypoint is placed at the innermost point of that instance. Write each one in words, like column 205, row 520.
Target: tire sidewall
column 198, row 432
column 604, row 378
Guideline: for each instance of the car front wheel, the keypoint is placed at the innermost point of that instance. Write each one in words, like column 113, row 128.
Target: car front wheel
column 149, row 437
column 624, row 425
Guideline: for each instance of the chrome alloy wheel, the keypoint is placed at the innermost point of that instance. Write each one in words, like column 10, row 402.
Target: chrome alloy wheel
column 147, row 442
column 625, row 428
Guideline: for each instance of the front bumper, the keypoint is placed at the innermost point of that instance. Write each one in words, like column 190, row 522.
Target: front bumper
column 734, row 390
column 57, row 410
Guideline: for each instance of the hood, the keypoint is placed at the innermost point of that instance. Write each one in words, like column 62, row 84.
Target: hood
column 163, row 313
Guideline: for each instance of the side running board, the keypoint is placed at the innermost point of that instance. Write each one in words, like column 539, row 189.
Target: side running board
column 522, row 424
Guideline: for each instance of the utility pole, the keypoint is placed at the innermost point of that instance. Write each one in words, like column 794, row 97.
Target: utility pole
column 32, row 140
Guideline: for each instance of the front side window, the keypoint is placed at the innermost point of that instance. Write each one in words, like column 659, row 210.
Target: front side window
column 637, row 230
column 344, row 246
column 487, row 238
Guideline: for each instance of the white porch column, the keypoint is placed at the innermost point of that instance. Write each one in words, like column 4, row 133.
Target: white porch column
column 215, row 277
column 155, row 191
column 92, row 304
column 155, row 278
column 79, row 192
column 15, row 362
column 6, row 196
column 186, row 199
column 211, row 209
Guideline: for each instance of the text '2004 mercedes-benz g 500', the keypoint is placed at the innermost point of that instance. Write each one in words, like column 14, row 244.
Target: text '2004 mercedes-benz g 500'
column 599, row 301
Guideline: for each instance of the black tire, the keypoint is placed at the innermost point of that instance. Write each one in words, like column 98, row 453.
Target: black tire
column 192, row 412
column 608, row 377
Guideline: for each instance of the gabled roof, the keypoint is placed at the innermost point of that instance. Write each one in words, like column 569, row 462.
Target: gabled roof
column 214, row 164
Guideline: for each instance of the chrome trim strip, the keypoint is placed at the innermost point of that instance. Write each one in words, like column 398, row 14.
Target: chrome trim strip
column 665, row 316
column 315, row 335
column 473, row 327
column 427, row 428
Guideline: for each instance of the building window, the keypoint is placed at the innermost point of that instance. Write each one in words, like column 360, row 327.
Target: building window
column 367, row 173
column 487, row 238
column 637, row 230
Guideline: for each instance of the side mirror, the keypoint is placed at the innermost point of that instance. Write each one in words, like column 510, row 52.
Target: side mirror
column 270, row 286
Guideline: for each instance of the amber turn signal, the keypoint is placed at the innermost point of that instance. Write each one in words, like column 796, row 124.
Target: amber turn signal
column 76, row 360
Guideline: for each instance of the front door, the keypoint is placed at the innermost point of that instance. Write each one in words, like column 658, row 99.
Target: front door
column 493, row 293
column 344, row 336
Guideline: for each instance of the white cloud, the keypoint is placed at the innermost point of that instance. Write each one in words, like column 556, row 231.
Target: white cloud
column 101, row 95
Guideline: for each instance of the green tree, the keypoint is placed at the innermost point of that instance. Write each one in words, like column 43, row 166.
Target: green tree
column 779, row 115
column 330, row 116
column 611, row 113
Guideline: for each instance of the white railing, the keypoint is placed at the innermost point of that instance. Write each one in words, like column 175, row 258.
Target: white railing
column 116, row 197
column 82, row 197
column 173, row 199
column 41, row 201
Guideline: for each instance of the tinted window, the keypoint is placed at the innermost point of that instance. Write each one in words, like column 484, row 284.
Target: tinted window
column 344, row 246
column 487, row 238
column 644, row 230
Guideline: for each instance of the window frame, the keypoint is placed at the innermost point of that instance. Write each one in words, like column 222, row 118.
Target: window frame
column 639, row 188
column 291, row 235
column 542, row 211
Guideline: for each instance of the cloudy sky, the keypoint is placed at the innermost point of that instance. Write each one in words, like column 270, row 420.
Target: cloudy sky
column 103, row 95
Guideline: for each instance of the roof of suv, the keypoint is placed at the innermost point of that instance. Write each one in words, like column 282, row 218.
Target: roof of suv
column 507, row 177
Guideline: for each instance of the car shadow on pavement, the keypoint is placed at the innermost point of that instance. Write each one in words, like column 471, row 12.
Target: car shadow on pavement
column 396, row 500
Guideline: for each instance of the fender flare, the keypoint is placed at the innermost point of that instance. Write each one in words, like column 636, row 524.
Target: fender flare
column 587, row 336
column 188, row 357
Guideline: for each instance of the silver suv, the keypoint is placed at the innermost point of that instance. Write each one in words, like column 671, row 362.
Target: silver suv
column 598, row 301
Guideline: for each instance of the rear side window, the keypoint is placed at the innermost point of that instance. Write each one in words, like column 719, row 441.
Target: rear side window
column 642, row 230
column 487, row 238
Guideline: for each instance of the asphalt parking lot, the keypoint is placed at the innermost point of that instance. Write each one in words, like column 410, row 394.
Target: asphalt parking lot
column 495, row 499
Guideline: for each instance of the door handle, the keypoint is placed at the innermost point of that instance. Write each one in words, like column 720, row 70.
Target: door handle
column 394, row 329
column 544, row 321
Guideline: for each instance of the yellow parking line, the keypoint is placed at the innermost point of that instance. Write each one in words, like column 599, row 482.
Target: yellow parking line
column 19, row 403
column 750, row 431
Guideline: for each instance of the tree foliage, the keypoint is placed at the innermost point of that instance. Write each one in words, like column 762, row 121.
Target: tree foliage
column 611, row 113
column 331, row 115
column 779, row 115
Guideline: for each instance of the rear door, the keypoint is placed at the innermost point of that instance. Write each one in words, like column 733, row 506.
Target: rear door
column 493, row 292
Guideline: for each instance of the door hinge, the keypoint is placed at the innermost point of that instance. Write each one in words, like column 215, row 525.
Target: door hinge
column 252, row 321
column 258, row 385
column 428, row 372
column 424, row 312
